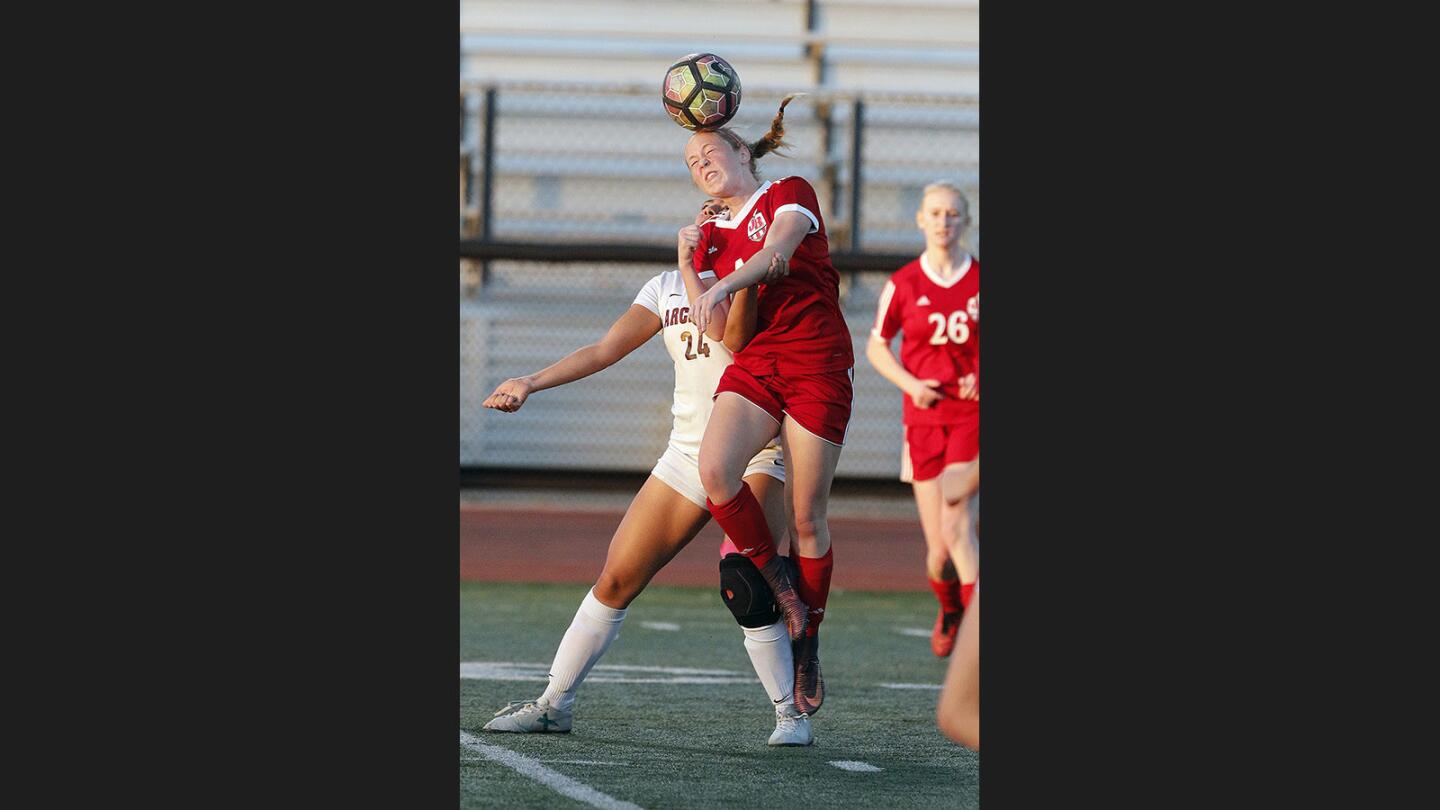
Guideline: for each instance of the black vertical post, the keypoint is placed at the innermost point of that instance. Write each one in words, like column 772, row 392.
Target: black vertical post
column 487, row 188
column 467, row 171
column 856, row 145
column 829, row 168
column 814, row 50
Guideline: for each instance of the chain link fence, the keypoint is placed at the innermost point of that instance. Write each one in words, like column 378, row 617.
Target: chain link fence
column 589, row 168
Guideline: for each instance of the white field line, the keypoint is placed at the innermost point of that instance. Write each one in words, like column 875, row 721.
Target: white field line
column 586, row 762
column 851, row 765
column 558, row 782
column 633, row 673
column 673, row 670
column 660, row 625
column 616, row 667
column 913, row 631
column 603, row 673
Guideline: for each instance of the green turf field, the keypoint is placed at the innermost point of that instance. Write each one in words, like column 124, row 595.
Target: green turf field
column 658, row 744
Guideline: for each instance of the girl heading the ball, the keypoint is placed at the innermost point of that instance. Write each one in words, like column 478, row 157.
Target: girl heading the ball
column 792, row 379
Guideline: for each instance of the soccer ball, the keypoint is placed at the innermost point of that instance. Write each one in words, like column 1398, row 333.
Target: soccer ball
column 701, row 91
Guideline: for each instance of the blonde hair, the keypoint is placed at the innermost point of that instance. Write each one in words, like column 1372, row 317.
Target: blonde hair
column 772, row 141
column 946, row 185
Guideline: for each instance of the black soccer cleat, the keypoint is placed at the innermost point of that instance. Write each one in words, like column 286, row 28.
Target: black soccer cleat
column 782, row 585
column 809, row 685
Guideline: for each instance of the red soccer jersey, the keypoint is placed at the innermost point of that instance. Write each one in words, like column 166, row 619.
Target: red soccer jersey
column 799, row 328
column 941, row 323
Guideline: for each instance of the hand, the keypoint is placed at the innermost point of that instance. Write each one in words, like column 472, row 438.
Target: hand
column 970, row 387
column 926, row 394
column 687, row 240
column 509, row 396
column 702, row 307
column 778, row 269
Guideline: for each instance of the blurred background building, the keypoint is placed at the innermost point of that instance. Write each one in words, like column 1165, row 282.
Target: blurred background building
column 572, row 186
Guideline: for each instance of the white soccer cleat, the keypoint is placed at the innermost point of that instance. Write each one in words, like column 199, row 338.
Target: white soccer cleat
column 531, row 717
column 792, row 726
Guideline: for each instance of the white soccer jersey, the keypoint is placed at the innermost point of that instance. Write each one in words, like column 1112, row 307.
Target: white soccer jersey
column 698, row 361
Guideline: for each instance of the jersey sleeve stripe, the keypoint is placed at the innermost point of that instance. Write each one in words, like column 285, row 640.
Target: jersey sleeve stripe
column 814, row 221
column 883, row 308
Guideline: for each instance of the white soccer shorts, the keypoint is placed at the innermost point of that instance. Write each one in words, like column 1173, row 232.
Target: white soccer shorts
column 682, row 471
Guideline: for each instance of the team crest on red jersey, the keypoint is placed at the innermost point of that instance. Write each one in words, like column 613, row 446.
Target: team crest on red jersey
column 756, row 227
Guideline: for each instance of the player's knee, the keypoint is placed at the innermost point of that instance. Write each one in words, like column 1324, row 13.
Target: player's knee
column 615, row 590
column 746, row 593
column 718, row 480
column 713, row 480
column 952, row 490
column 954, row 520
column 958, row 483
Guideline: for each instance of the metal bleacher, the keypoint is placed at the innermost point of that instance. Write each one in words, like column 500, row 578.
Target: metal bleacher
column 908, row 46
column 583, row 153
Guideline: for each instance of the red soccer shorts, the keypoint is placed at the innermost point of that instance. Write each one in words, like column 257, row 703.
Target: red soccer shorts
column 819, row 403
column 929, row 449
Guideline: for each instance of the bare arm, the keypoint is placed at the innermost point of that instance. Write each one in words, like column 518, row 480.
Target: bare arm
column 686, row 241
column 740, row 322
column 783, row 238
column 923, row 393
column 629, row 331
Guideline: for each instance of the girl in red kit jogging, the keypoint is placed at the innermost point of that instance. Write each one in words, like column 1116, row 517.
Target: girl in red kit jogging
column 792, row 379
column 935, row 302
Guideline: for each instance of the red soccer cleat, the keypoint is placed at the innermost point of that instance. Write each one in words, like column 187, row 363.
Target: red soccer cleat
column 942, row 638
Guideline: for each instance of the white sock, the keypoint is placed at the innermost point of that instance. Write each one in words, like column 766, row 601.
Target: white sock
column 592, row 630
column 774, row 662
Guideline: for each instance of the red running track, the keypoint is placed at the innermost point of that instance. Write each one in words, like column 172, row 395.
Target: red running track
column 506, row 544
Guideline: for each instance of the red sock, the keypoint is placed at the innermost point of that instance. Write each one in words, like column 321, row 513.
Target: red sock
column 814, row 585
column 948, row 592
column 744, row 521
column 966, row 589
